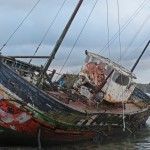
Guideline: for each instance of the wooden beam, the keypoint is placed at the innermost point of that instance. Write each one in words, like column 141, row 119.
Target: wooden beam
column 42, row 57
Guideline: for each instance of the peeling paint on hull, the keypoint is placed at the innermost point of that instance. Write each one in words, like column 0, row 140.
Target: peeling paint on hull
column 14, row 116
column 25, row 109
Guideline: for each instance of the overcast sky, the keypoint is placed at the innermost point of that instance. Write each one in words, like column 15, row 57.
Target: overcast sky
column 134, row 20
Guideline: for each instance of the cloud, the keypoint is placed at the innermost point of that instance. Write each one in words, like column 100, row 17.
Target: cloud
column 93, row 37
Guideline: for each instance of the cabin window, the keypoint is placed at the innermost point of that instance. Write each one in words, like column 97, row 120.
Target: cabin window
column 108, row 69
column 120, row 79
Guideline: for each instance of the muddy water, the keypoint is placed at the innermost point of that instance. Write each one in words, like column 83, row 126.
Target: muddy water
column 139, row 141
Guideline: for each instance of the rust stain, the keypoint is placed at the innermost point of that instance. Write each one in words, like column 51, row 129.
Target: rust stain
column 95, row 73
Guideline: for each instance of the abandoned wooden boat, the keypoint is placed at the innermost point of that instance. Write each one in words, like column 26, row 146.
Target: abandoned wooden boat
column 104, row 104
column 102, row 101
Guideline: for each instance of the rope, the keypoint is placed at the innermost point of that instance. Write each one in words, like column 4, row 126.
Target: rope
column 19, row 25
column 77, row 39
column 135, row 36
column 108, row 27
column 125, row 25
column 48, row 29
column 119, row 29
column 123, row 107
column 139, row 46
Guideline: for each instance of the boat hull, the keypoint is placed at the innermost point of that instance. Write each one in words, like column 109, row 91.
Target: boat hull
column 29, row 111
column 21, row 119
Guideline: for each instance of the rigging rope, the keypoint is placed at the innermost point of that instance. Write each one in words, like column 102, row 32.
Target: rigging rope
column 108, row 28
column 48, row 29
column 142, row 43
column 77, row 39
column 123, row 105
column 120, row 48
column 19, row 25
column 136, row 12
column 137, row 33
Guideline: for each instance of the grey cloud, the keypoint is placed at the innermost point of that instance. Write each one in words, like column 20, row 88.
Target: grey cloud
column 93, row 38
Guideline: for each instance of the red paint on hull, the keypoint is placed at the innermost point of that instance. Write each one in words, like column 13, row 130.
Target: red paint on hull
column 22, row 121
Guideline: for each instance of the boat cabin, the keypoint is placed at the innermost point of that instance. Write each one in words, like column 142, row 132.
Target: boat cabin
column 104, row 78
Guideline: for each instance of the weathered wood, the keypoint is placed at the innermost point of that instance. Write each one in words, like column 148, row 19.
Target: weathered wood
column 36, row 57
column 60, row 121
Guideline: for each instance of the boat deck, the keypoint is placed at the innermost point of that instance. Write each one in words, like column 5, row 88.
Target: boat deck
column 87, row 106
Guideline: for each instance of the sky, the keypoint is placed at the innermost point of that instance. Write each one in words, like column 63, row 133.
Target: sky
column 96, row 23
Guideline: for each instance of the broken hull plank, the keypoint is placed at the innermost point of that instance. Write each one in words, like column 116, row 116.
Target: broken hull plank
column 14, row 118
column 26, row 123
column 22, row 120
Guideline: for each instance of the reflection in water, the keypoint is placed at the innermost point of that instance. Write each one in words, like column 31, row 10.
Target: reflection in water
column 139, row 141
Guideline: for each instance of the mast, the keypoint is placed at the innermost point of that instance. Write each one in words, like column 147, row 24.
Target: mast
column 140, row 57
column 58, row 43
